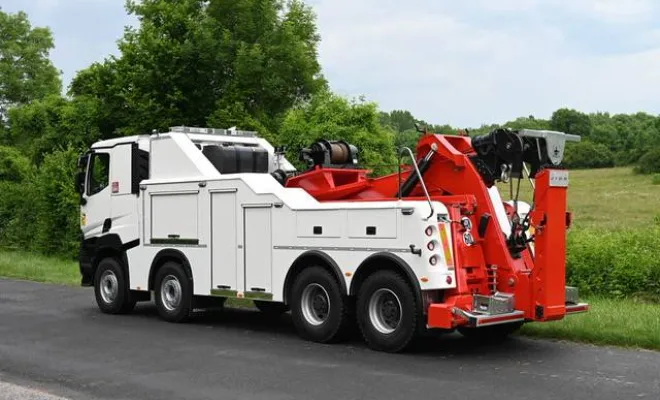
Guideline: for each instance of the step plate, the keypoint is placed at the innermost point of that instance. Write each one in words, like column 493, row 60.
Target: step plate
column 481, row 320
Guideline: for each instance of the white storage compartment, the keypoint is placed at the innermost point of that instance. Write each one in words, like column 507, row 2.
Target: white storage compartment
column 174, row 217
column 372, row 224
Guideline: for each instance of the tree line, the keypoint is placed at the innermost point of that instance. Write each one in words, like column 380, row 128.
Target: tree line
column 246, row 63
column 606, row 140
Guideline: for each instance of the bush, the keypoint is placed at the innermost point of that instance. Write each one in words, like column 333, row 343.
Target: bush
column 57, row 207
column 41, row 213
column 649, row 163
column 14, row 167
column 616, row 263
column 655, row 180
column 587, row 154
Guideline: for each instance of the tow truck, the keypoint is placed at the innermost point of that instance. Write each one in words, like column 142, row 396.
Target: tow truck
column 194, row 216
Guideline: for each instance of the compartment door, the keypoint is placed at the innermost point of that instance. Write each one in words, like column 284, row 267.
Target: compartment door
column 258, row 248
column 223, row 240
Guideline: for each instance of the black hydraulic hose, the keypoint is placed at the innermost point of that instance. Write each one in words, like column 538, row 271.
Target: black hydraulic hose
column 413, row 179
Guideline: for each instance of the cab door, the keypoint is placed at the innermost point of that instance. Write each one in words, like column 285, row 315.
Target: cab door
column 95, row 208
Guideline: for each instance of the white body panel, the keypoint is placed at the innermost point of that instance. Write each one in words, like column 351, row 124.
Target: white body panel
column 258, row 248
column 224, row 242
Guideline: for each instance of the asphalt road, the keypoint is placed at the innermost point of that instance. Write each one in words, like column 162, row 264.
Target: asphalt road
column 54, row 339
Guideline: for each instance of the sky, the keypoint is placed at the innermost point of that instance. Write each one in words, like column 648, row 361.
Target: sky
column 464, row 63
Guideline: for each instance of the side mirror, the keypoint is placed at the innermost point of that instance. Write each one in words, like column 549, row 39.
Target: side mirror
column 80, row 177
column 80, row 182
column 82, row 161
column 80, row 186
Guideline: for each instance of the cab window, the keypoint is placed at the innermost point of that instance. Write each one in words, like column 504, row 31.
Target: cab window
column 99, row 173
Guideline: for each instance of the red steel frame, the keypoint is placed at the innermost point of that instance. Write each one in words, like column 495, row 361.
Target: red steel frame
column 537, row 280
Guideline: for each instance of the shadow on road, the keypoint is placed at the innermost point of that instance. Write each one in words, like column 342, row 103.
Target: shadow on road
column 431, row 344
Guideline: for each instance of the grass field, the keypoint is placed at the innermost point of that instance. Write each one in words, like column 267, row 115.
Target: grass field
column 20, row 265
column 619, row 322
column 611, row 198
column 601, row 200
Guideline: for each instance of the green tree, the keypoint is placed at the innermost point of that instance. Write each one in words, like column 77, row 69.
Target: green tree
column 649, row 163
column 57, row 226
column 571, row 121
column 15, row 173
column 194, row 61
column 328, row 116
column 26, row 73
column 402, row 120
column 14, row 167
column 586, row 154
column 54, row 123
column 528, row 123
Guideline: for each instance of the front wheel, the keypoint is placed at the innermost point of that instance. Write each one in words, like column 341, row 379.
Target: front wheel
column 387, row 312
column 111, row 288
column 174, row 293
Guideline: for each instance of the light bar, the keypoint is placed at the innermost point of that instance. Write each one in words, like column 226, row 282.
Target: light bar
column 212, row 131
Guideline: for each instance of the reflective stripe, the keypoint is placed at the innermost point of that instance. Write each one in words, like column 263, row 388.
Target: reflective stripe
column 445, row 245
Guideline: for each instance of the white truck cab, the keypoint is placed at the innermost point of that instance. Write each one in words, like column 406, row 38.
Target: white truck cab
column 195, row 216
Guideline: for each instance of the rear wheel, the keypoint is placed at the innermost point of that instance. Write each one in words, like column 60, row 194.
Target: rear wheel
column 174, row 297
column 272, row 308
column 319, row 308
column 111, row 290
column 387, row 312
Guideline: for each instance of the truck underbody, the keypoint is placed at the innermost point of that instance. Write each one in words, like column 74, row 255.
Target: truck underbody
column 430, row 247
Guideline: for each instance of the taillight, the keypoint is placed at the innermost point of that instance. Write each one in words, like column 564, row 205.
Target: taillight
column 468, row 238
column 431, row 246
column 429, row 231
column 433, row 260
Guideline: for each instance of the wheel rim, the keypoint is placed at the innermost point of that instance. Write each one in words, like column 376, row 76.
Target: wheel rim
column 385, row 311
column 170, row 292
column 315, row 304
column 109, row 287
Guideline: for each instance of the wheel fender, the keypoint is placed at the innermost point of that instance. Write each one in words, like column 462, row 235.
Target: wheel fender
column 372, row 263
column 168, row 254
column 300, row 263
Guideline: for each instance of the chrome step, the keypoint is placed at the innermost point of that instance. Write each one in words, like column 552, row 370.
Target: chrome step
column 481, row 320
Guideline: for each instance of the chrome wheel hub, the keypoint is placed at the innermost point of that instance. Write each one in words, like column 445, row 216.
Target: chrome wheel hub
column 170, row 292
column 385, row 311
column 109, row 287
column 315, row 304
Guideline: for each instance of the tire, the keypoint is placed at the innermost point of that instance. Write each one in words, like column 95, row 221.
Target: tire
column 174, row 293
column 111, row 290
column 319, row 308
column 271, row 308
column 387, row 312
column 490, row 334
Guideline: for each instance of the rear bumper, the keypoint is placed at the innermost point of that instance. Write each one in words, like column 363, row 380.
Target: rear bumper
column 481, row 311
